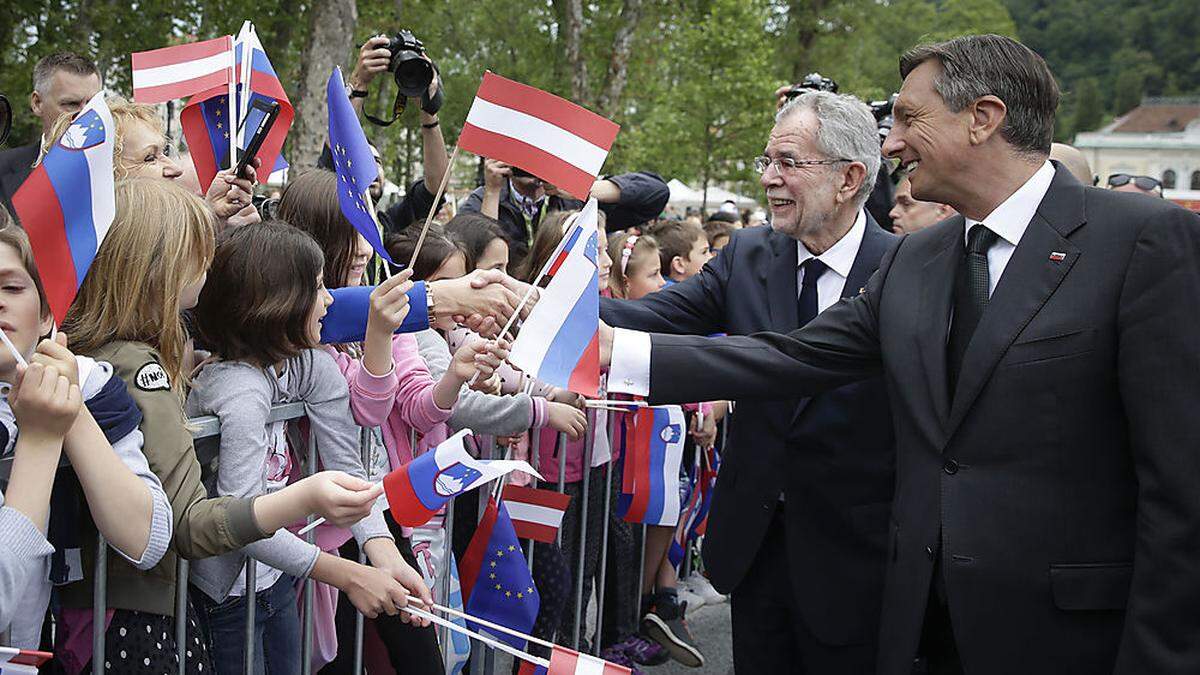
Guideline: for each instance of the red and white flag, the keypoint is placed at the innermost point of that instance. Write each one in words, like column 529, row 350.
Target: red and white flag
column 558, row 141
column 568, row 662
column 178, row 72
column 535, row 514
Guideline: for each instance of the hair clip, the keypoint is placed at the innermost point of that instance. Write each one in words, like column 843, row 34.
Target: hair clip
column 627, row 249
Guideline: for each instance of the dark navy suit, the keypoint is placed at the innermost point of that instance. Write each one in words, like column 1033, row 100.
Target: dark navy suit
column 830, row 456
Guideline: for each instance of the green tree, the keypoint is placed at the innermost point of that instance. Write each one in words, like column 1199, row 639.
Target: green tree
column 1088, row 109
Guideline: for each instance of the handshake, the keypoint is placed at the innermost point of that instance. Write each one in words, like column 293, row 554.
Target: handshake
column 497, row 297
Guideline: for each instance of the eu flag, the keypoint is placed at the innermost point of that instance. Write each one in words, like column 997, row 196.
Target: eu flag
column 353, row 162
column 495, row 578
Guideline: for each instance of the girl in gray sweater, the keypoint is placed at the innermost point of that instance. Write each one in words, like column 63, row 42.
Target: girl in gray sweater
column 259, row 314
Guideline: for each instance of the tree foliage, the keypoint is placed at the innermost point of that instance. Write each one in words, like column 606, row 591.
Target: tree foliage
column 689, row 81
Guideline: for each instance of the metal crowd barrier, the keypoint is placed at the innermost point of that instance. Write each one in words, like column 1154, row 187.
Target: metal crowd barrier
column 482, row 661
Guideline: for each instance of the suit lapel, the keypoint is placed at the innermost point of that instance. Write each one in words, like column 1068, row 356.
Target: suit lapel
column 937, row 290
column 780, row 278
column 874, row 244
column 1029, row 279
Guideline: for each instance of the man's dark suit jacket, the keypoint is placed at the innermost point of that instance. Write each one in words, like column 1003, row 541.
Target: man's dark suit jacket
column 1064, row 472
column 15, row 166
column 831, row 455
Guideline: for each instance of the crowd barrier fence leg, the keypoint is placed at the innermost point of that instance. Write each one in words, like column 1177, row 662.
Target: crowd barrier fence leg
column 600, row 584
column 588, row 443
column 306, row 632
column 181, row 604
column 251, row 607
column 560, row 449
column 637, row 602
column 535, row 446
column 364, row 440
column 99, row 605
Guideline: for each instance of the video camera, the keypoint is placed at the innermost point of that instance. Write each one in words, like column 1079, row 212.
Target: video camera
column 812, row 82
column 884, row 119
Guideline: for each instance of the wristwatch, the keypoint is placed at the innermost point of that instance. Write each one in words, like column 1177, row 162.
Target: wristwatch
column 429, row 302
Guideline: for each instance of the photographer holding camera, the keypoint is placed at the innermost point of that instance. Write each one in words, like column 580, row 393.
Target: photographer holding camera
column 416, row 78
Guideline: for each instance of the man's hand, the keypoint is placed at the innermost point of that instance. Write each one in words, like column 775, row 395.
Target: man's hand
column 484, row 293
column 495, row 174
column 781, row 95
column 372, row 59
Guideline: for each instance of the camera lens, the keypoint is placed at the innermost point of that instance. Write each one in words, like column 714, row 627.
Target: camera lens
column 5, row 118
column 413, row 74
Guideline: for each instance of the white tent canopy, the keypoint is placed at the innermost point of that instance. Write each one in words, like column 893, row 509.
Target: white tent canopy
column 683, row 196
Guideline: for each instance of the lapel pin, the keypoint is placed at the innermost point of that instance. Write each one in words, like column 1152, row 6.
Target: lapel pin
column 1056, row 256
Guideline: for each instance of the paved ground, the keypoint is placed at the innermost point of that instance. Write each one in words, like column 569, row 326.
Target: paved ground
column 710, row 627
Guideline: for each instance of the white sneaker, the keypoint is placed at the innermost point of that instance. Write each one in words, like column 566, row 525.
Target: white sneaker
column 686, row 595
column 699, row 585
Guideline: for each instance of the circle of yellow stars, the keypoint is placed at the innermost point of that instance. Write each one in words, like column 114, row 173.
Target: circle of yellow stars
column 492, row 576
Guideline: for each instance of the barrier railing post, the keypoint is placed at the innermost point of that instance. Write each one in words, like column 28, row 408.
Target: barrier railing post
column 600, row 584
column 637, row 602
column 181, row 604
column 560, row 448
column 306, row 633
column 251, row 606
column 589, row 441
column 368, row 460
column 99, row 605
column 535, row 447
column 480, row 658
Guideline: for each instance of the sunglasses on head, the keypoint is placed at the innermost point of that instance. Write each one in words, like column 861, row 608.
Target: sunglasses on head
column 1143, row 182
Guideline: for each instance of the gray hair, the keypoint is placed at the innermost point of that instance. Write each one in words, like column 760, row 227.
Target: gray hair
column 846, row 130
column 974, row 66
column 44, row 69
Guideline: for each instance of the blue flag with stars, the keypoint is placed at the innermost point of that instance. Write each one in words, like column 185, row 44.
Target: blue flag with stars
column 495, row 579
column 353, row 162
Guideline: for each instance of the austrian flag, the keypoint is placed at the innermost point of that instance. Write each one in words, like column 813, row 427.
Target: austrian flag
column 178, row 72
column 536, row 514
column 552, row 138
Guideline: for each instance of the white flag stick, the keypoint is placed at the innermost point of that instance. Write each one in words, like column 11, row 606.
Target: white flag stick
column 247, row 58
column 494, row 644
column 610, row 404
column 493, row 626
column 232, row 125
column 13, row 348
column 433, row 209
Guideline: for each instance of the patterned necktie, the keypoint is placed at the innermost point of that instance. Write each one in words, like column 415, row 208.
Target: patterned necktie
column 970, row 298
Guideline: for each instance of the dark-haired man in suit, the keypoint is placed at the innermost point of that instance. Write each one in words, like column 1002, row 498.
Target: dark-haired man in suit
column 1040, row 355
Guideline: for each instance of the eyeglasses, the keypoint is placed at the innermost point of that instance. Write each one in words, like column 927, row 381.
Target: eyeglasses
column 1142, row 182
column 782, row 164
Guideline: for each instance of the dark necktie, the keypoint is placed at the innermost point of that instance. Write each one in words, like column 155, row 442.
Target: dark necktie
column 813, row 269
column 970, row 298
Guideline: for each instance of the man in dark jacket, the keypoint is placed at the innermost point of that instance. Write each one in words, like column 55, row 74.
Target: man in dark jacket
column 520, row 201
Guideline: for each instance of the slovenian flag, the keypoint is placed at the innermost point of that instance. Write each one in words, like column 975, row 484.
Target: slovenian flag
column 67, row 204
column 204, row 118
column 559, row 342
column 650, row 467
column 558, row 141
column 420, row 488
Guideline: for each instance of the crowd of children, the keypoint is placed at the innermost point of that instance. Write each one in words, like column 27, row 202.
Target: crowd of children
column 185, row 314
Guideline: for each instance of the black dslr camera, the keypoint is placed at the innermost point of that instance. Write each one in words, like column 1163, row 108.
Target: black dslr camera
column 812, row 82
column 412, row 71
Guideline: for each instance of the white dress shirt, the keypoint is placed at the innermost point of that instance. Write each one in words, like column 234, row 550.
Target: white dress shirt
column 629, row 372
column 1009, row 221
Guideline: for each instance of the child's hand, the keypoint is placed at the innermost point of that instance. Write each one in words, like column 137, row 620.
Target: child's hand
column 704, row 432
column 489, row 386
column 55, row 353
column 478, row 356
column 384, row 555
column 44, row 402
column 373, row 591
column 566, row 418
column 389, row 304
column 339, row 497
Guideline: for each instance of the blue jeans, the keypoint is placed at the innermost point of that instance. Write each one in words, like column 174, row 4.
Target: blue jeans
column 276, row 630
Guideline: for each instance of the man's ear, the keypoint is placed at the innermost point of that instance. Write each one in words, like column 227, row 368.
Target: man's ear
column 852, row 180
column 987, row 118
column 35, row 104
